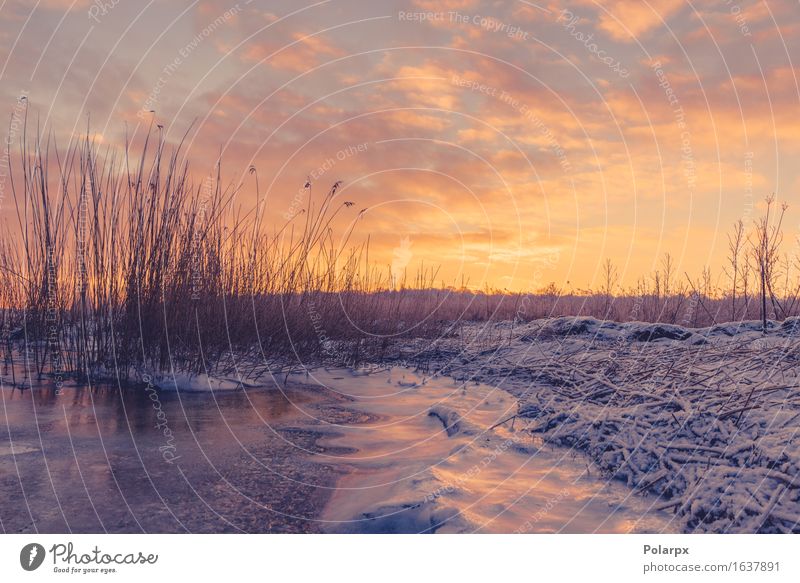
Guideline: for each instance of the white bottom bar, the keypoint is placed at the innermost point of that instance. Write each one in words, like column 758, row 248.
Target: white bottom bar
column 409, row 558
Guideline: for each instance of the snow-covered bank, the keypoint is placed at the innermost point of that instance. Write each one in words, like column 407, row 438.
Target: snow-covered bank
column 707, row 419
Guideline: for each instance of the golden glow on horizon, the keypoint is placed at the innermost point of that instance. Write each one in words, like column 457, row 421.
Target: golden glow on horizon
column 511, row 145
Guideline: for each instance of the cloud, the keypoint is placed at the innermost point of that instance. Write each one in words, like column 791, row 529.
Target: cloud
column 454, row 167
column 300, row 52
column 65, row 5
column 439, row 5
column 629, row 20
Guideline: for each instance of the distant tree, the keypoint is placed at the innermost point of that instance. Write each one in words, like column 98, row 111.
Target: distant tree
column 765, row 246
column 610, row 281
column 736, row 239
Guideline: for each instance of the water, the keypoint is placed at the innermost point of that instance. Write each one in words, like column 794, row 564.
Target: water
column 104, row 460
column 294, row 460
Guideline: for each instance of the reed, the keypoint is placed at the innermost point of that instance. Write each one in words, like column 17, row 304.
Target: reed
column 121, row 262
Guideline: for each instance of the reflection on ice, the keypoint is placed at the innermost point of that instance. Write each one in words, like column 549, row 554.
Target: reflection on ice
column 430, row 464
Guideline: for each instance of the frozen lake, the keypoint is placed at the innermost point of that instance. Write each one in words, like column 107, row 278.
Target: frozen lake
column 96, row 460
column 365, row 454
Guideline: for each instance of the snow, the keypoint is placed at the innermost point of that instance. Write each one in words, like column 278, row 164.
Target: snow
column 706, row 419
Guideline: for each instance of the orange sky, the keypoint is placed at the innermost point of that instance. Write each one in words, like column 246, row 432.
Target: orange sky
column 512, row 143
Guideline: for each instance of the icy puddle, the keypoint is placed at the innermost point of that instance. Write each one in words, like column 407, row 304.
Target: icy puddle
column 429, row 463
column 100, row 460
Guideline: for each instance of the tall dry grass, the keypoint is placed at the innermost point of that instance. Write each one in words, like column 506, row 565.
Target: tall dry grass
column 121, row 262
column 117, row 262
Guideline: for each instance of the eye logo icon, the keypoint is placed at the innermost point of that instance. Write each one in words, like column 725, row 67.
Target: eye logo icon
column 31, row 556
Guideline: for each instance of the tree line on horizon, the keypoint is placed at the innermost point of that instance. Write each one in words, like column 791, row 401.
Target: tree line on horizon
column 123, row 263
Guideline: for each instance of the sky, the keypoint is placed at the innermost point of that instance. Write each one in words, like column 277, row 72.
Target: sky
column 510, row 144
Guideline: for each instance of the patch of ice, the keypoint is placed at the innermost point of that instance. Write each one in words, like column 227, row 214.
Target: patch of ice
column 16, row 449
column 201, row 383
